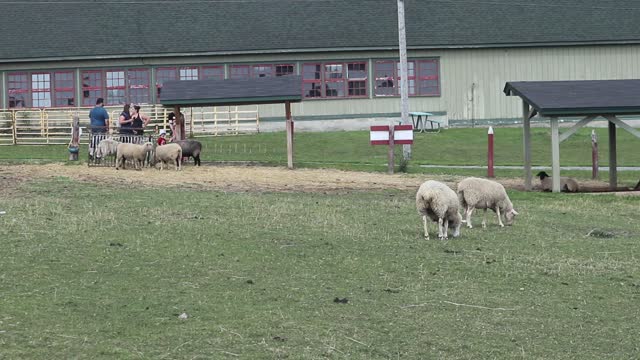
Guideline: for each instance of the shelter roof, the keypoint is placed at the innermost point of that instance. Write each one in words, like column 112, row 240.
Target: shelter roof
column 267, row 90
column 81, row 29
column 579, row 97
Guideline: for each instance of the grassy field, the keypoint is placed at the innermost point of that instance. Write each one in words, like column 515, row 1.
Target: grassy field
column 351, row 151
column 94, row 272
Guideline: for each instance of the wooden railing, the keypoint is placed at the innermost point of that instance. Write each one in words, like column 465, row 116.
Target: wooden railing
column 26, row 126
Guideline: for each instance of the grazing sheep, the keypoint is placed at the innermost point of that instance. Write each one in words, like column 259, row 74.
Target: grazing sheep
column 169, row 153
column 137, row 153
column 477, row 193
column 106, row 147
column 437, row 201
column 567, row 184
column 191, row 148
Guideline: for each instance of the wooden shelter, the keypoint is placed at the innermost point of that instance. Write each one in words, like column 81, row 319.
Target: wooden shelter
column 266, row 90
column 584, row 98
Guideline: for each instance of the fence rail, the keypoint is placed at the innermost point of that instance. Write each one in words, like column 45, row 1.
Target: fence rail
column 27, row 126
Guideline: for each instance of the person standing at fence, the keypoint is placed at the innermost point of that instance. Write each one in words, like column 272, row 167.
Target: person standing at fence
column 99, row 121
column 176, row 123
column 139, row 120
column 126, row 123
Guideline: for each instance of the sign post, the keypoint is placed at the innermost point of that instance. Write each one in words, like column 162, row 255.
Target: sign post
column 391, row 136
column 490, row 153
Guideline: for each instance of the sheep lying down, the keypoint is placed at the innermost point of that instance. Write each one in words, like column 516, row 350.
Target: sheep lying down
column 439, row 203
column 477, row 193
column 137, row 153
column 567, row 184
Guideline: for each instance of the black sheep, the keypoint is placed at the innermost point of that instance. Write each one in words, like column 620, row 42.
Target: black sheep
column 191, row 148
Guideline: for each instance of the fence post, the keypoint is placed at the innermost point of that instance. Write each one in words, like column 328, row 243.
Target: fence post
column 594, row 155
column 391, row 150
column 14, row 125
column 74, row 146
column 490, row 173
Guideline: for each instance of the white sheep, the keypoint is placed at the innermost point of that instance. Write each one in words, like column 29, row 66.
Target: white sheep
column 567, row 184
column 106, row 147
column 136, row 152
column 477, row 193
column 169, row 153
column 437, row 201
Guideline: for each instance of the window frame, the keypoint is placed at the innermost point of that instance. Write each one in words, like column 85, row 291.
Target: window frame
column 334, row 75
column 415, row 76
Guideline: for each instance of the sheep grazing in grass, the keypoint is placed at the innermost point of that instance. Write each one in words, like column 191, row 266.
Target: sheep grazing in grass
column 438, row 202
column 106, row 147
column 137, row 153
column 191, row 148
column 477, row 193
column 567, row 184
column 169, row 153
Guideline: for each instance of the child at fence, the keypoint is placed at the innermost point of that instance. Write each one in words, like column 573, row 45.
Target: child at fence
column 162, row 137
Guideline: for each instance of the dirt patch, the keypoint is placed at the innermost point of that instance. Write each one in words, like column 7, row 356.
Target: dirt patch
column 235, row 178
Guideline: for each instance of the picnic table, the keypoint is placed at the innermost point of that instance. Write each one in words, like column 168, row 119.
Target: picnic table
column 420, row 120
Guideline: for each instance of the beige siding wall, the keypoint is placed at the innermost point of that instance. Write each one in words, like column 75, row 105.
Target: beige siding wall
column 471, row 79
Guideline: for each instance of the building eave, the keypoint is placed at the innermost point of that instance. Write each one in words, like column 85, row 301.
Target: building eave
column 318, row 50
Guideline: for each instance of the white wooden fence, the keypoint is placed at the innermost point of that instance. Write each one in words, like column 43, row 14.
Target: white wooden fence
column 53, row 125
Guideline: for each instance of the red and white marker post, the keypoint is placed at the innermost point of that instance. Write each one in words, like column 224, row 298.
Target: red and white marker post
column 391, row 135
column 490, row 173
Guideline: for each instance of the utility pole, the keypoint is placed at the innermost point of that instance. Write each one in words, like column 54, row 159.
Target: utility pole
column 404, row 84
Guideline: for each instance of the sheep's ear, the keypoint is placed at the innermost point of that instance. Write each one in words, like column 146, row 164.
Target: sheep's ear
column 514, row 212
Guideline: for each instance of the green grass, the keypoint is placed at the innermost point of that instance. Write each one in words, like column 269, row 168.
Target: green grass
column 351, row 151
column 96, row 272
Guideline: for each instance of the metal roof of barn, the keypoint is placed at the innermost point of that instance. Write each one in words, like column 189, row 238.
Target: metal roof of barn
column 267, row 90
column 580, row 97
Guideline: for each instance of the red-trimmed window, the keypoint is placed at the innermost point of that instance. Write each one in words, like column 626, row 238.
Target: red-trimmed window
column 91, row 87
column 41, row 90
column 18, row 89
column 139, row 86
column 423, row 78
column 189, row 73
column 165, row 74
column 116, row 87
column 213, row 72
column 334, row 79
column 239, row 71
column 312, row 80
column 260, row 70
column 285, row 69
column 64, row 89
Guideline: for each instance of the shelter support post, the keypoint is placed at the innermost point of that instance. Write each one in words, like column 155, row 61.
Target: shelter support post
column 555, row 154
column 289, row 126
column 613, row 158
column 526, row 129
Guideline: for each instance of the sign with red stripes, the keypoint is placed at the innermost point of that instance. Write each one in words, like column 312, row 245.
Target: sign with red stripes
column 379, row 135
column 402, row 134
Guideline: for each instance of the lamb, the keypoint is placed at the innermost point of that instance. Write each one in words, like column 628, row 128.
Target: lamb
column 191, row 148
column 437, row 201
column 567, row 184
column 106, row 147
column 169, row 153
column 137, row 153
column 477, row 193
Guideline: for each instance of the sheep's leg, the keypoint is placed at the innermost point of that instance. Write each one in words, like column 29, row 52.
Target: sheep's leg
column 441, row 235
column 499, row 217
column 424, row 222
column 446, row 229
column 484, row 218
column 179, row 163
column 468, row 213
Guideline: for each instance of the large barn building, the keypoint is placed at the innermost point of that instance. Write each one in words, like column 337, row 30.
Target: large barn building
column 460, row 52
